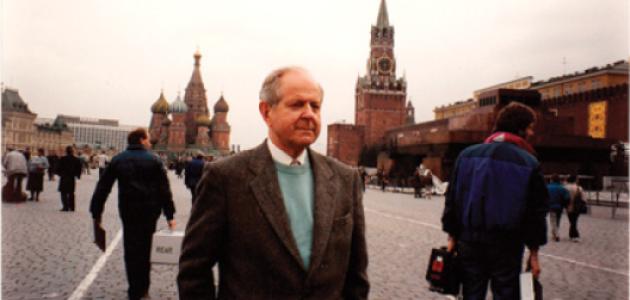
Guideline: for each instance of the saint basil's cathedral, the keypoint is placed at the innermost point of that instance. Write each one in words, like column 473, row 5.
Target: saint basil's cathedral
column 186, row 127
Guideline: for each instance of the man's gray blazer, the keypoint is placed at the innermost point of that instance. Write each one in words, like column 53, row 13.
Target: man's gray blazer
column 239, row 221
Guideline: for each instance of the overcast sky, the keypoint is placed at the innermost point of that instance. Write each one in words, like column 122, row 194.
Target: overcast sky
column 109, row 59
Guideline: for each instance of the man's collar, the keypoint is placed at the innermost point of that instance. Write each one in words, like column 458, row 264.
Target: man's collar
column 282, row 157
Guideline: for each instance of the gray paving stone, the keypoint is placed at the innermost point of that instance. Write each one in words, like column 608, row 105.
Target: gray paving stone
column 47, row 253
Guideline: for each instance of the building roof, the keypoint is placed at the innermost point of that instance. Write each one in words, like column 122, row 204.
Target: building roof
column 383, row 19
column 203, row 120
column 11, row 101
column 161, row 105
column 178, row 106
column 618, row 67
column 221, row 105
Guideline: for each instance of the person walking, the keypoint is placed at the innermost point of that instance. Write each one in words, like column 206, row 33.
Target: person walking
column 102, row 160
column 53, row 160
column 193, row 172
column 69, row 169
column 144, row 193
column 558, row 200
column 15, row 168
column 36, row 170
column 576, row 198
column 280, row 220
column 495, row 205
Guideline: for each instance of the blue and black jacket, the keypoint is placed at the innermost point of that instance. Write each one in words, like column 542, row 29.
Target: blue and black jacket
column 497, row 193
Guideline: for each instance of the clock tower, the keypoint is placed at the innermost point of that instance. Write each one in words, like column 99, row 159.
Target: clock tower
column 380, row 96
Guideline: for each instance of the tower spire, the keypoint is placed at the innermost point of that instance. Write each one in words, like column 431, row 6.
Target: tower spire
column 383, row 19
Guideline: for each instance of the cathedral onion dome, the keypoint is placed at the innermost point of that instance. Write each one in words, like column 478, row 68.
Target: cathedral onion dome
column 166, row 122
column 203, row 120
column 160, row 106
column 178, row 106
column 221, row 105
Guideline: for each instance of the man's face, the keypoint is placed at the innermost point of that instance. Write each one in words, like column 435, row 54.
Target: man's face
column 146, row 142
column 529, row 131
column 294, row 122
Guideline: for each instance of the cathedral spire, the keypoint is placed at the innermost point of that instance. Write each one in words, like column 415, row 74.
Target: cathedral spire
column 383, row 19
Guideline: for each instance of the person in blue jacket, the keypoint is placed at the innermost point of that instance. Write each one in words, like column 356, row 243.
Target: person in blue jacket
column 496, row 204
column 193, row 172
column 558, row 200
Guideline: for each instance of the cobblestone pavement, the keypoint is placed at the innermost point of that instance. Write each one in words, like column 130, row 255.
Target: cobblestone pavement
column 47, row 254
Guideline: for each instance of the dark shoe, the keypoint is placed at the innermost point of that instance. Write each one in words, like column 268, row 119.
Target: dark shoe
column 63, row 209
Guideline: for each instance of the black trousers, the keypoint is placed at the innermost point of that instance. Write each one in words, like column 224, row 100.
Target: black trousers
column 573, row 220
column 67, row 201
column 498, row 264
column 14, row 188
column 137, row 237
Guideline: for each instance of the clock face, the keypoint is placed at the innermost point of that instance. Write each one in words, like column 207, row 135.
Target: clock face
column 384, row 64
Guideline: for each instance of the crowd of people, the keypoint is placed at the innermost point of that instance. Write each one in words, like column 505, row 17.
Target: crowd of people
column 22, row 164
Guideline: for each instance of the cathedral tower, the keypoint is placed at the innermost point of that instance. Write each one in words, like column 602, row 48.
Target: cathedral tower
column 220, row 126
column 159, row 109
column 195, row 99
column 380, row 96
column 177, row 128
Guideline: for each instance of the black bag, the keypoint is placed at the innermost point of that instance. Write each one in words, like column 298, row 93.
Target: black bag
column 579, row 205
column 442, row 272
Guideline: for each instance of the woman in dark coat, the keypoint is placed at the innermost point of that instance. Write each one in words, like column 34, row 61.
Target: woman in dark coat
column 68, row 168
column 36, row 168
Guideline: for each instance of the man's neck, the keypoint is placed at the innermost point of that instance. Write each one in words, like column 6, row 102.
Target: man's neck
column 293, row 153
column 283, row 157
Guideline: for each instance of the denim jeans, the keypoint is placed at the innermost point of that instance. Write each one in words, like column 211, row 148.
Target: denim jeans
column 497, row 263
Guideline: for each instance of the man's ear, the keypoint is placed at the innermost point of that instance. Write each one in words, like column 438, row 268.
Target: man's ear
column 264, row 108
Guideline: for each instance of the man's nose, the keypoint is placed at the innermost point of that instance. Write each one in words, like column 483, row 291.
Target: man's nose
column 308, row 112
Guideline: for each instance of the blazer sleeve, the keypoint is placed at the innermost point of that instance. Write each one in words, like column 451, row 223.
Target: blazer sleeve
column 205, row 234
column 357, row 285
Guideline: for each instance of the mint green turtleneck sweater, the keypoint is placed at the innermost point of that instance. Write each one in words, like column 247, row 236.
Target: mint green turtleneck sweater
column 296, row 184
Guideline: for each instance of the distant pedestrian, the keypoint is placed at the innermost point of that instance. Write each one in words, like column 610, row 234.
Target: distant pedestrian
column 193, row 172
column 69, row 169
column 36, row 169
column 496, row 204
column 179, row 166
column 573, row 211
column 53, row 160
column 27, row 153
column 103, row 161
column 558, row 200
column 144, row 193
column 16, row 169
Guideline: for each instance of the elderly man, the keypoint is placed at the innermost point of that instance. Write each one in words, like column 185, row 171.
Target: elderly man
column 280, row 220
column 143, row 194
column 15, row 167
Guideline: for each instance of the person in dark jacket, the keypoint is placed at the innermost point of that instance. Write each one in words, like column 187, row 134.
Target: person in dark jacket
column 68, row 169
column 495, row 205
column 193, row 172
column 53, row 159
column 143, row 194
column 558, row 200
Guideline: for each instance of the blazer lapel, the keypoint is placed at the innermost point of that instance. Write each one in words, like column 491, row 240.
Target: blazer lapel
column 266, row 190
column 324, row 207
